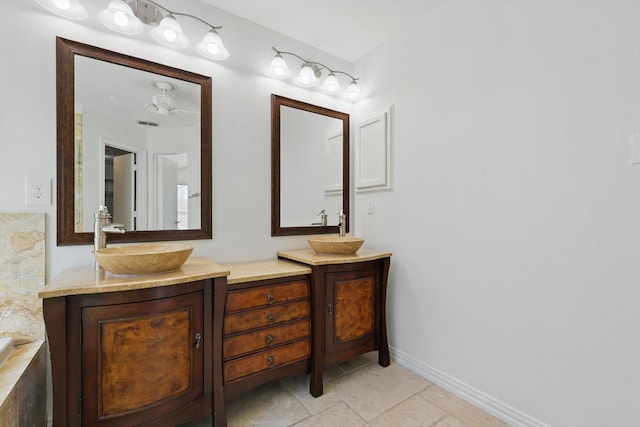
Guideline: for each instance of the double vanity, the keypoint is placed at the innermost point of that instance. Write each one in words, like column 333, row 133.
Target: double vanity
column 172, row 347
column 167, row 348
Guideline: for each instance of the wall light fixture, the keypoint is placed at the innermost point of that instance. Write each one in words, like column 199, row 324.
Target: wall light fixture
column 129, row 16
column 310, row 73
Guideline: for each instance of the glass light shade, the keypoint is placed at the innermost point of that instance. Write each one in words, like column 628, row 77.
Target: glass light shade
column 119, row 17
column 169, row 33
column 331, row 84
column 212, row 47
column 70, row 9
column 306, row 77
column 278, row 68
column 353, row 91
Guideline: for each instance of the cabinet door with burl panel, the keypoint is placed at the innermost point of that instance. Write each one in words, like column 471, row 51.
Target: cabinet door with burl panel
column 267, row 332
column 349, row 314
column 139, row 357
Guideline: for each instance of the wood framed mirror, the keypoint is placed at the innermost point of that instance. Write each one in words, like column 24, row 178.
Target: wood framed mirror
column 170, row 144
column 309, row 167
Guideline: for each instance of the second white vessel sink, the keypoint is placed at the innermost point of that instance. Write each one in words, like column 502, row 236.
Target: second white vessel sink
column 338, row 245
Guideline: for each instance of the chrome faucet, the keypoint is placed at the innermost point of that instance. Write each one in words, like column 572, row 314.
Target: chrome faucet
column 101, row 226
column 323, row 218
column 342, row 222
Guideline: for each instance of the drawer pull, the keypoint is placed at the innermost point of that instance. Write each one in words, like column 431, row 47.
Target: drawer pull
column 270, row 318
column 198, row 338
column 269, row 339
column 270, row 360
column 270, row 299
column 330, row 309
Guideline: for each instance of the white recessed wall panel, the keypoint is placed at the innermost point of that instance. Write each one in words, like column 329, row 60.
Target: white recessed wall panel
column 373, row 152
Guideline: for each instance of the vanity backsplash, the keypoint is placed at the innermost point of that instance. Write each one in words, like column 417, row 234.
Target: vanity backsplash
column 22, row 274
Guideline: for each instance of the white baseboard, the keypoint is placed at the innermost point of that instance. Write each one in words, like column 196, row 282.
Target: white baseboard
column 493, row 406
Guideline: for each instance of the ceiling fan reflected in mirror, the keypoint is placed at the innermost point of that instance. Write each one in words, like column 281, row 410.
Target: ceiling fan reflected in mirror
column 163, row 104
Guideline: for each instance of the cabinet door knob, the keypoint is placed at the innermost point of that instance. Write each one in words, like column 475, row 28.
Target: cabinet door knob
column 198, row 338
column 270, row 318
column 270, row 298
column 269, row 339
column 270, row 360
column 330, row 309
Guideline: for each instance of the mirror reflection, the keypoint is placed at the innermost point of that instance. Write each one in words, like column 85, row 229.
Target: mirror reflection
column 134, row 136
column 310, row 167
column 138, row 130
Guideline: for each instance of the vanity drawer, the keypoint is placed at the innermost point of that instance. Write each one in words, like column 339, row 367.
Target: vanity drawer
column 265, row 338
column 266, row 295
column 267, row 316
column 264, row 360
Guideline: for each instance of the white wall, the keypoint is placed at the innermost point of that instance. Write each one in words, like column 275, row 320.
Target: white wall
column 515, row 215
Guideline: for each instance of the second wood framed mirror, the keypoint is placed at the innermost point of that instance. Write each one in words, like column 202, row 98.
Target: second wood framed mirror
column 309, row 168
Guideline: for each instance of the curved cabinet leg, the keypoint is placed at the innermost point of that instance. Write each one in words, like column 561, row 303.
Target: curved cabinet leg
column 383, row 351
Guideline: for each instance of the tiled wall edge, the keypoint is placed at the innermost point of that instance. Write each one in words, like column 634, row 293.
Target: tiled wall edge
column 482, row 400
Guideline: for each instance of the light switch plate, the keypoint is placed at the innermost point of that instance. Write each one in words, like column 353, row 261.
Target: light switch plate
column 371, row 207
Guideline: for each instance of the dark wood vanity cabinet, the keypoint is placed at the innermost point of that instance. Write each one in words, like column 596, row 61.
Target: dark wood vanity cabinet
column 136, row 357
column 348, row 313
column 267, row 332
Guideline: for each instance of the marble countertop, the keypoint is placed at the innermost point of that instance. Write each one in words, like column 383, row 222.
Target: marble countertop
column 85, row 280
column 310, row 257
column 261, row 270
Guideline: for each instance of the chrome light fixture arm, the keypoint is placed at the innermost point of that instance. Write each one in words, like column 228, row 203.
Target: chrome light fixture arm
column 119, row 16
column 309, row 74
column 322, row 66
column 173, row 12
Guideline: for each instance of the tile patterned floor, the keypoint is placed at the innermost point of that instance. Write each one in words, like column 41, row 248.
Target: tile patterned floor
column 356, row 393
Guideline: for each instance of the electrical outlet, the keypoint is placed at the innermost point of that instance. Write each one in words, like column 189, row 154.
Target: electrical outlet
column 38, row 191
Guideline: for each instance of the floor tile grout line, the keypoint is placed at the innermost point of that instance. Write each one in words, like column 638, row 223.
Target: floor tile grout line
column 416, row 394
column 447, row 412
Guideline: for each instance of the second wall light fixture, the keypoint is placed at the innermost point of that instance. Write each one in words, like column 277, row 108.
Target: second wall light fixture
column 128, row 17
column 310, row 73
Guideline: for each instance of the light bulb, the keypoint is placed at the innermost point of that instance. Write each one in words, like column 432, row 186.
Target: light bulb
column 212, row 47
column 278, row 68
column 169, row 33
column 119, row 17
column 331, row 84
column 70, row 9
column 62, row 4
column 353, row 91
column 307, row 77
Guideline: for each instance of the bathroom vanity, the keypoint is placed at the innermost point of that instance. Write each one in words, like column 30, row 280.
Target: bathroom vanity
column 136, row 350
column 348, row 294
column 167, row 348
